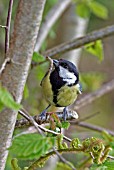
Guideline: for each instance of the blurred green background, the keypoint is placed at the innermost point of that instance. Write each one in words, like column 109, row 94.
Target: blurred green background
column 97, row 72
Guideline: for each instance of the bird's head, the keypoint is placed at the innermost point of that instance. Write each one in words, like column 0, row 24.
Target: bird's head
column 67, row 71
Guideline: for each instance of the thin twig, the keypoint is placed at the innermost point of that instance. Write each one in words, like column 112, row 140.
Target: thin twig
column 88, row 117
column 92, row 127
column 64, row 160
column 2, row 26
column 79, row 42
column 30, row 118
column 89, row 98
column 7, row 60
column 50, row 20
column 8, row 23
column 111, row 157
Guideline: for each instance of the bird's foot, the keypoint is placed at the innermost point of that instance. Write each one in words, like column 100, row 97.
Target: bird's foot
column 65, row 113
column 42, row 116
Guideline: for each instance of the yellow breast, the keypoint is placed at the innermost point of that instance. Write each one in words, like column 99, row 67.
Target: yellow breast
column 67, row 95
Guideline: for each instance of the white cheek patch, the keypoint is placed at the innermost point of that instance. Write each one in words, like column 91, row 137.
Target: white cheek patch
column 67, row 76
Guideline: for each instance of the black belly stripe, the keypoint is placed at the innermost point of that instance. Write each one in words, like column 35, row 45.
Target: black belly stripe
column 56, row 82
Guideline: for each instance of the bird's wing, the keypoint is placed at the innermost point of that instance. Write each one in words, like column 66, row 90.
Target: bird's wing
column 44, row 78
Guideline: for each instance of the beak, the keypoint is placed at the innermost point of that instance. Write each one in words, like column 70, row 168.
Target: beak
column 56, row 63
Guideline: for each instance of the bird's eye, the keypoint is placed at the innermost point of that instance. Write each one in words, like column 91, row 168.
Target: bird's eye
column 64, row 65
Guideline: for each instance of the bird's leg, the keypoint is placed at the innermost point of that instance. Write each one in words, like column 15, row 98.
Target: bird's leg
column 42, row 115
column 65, row 113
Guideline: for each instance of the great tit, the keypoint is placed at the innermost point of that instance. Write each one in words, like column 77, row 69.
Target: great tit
column 61, row 85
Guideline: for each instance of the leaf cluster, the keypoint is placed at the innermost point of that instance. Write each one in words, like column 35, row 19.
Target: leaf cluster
column 85, row 7
column 6, row 100
column 37, row 147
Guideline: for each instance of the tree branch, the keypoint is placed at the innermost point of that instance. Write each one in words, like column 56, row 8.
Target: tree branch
column 24, row 122
column 79, row 42
column 8, row 22
column 50, row 20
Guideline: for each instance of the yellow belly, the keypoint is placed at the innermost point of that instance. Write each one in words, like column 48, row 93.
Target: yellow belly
column 67, row 96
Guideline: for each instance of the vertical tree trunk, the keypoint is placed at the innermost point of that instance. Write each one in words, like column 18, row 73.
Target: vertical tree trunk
column 27, row 22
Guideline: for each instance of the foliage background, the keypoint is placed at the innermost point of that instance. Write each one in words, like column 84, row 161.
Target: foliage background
column 88, row 63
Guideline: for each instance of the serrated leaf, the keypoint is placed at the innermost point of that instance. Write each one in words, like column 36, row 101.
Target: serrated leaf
column 96, row 48
column 7, row 100
column 31, row 146
column 38, row 57
column 65, row 125
column 83, row 10
column 105, row 166
column 98, row 9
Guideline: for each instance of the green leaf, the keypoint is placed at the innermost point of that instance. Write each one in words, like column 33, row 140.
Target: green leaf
column 105, row 166
column 112, row 144
column 38, row 57
column 31, row 146
column 65, row 125
column 98, row 9
column 61, row 166
column 1, row 106
column 7, row 100
column 97, row 167
column 52, row 34
column 110, row 165
column 96, row 48
column 41, row 70
column 92, row 81
column 26, row 92
column 83, row 10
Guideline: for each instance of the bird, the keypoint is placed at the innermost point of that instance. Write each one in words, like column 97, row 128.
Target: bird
column 61, row 86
